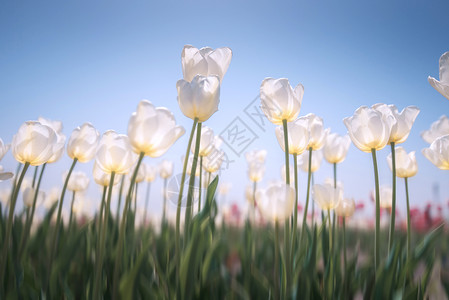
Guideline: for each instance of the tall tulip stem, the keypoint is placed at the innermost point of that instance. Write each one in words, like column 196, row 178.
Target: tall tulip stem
column 181, row 189
column 9, row 224
column 192, row 180
column 200, row 183
column 309, row 176
column 287, row 165
column 121, row 236
column 147, row 198
column 295, row 212
column 393, row 203
column 377, row 229
column 409, row 232
column 55, row 236
column 104, row 227
column 287, row 239
column 119, row 202
column 71, row 211
column 164, row 213
column 276, row 261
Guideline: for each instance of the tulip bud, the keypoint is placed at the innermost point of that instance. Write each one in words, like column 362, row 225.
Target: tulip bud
column 207, row 141
column 166, row 169
column 303, row 161
column 33, row 143
column 153, row 130
column 277, row 202
column 327, row 196
column 256, row 171
column 385, row 196
column 205, row 62
column 438, row 152
column 336, row 148
column 437, row 129
column 442, row 86
column 279, row 101
column 298, row 136
column 150, row 172
column 83, row 143
column 369, row 129
column 345, row 208
column 200, row 97
column 114, row 153
column 78, row 181
column 406, row 165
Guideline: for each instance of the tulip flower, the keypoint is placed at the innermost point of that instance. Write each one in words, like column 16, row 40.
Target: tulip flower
column 28, row 196
column 399, row 133
column 153, row 130
column 207, row 141
column 298, row 136
column 102, row 178
column 327, row 196
column 437, row 129
column 3, row 149
column 150, row 176
column 257, row 156
column 114, row 153
column 58, row 148
column 279, row 101
column 336, row 147
column 386, row 196
column 438, row 152
column 277, row 203
column 442, row 86
column 303, row 161
column 166, row 169
column 78, row 182
column 256, row 171
column 406, row 165
column 205, row 61
column 199, row 98
column 370, row 130
column 83, row 143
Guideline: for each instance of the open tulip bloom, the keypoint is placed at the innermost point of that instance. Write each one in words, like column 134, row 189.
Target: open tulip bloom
column 442, row 86
column 438, row 128
column 438, row 152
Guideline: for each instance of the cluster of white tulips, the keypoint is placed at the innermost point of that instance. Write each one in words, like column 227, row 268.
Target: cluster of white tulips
column 153, row 130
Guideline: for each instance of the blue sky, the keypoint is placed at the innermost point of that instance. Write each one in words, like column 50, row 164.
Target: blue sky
column 94, row 61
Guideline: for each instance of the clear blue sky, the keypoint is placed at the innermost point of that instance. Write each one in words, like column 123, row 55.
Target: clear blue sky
column 80, row 61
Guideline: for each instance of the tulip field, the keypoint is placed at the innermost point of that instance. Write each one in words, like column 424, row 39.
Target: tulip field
column 288, row 244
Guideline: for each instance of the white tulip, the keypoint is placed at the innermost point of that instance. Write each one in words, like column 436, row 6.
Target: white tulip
column 277, row 201
column 303, row 161
column 442, row 86
column 336, row 148
column 345, row 208
column 438, row 152
column 437, row 129
column 406, row 165
column 327, row 196
column 297, row 134
column 83, row 143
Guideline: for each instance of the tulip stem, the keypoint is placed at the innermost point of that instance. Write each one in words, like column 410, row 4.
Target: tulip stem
column 33, row 184
column 181, row 189
column 121, row 236
column 33, row 209
column 287, row 165
column 104, row 227
column 147, row 198
column 309, row 176
column 344, row 255
column 393, row 203
column 287, row 239
column 164, row 213
column 55, row 236
column 120, row 198
column 99, row 225
column 276, row 260
column 200, row 183
column 295, row 212
column 409, row 236
column 136, row 185
column 377, row 229
column 188, row 214
column 71, row 211
column 9, row 224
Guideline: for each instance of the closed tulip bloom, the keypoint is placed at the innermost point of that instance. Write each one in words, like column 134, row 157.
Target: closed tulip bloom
column 298, row 136
column 33, row 143
column 369, row 129
column 277, row 201
column 114, row 153
column 58, row 148
column 386, row 196
column 279, row 101
column 317, row 133
column 28, row 196
column 207, row 141
column 438, row 152
column 83, row 142
column 166, row 169
column 205, row 61
column 336, row 148
column 78, row 181
column 153, row 130
column 303, row 161
column 258, row 156
column 438, row 128
column 102, row 178
column 345, row 208
column 3, row 149
column 327, row 196
column 406, row 165
column 403, row 121
column 200, row 97
column 212, row 162
column 150, row 173
column 442, row 86
column 256, row 171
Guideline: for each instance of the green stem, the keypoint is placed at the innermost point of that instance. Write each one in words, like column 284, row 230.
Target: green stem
column 377, row 229
column 120, row 198
column 98, row 273
column 71, row 211
column 135, row 204
column 9, row 224
column 33, row 209
column 276, row 261
column 295, row 212
column 164, row 213
column 147, row 198
column 344, row 256
column 253, row 209
column 99, row 225
column 287, row 239
column 200, row 183
column 188, row 213
column 287, row 165
column 409, row 235
column 309, row 176
column 181, row 189
column 33, row 184
column 121, row 237
column 393, row 203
